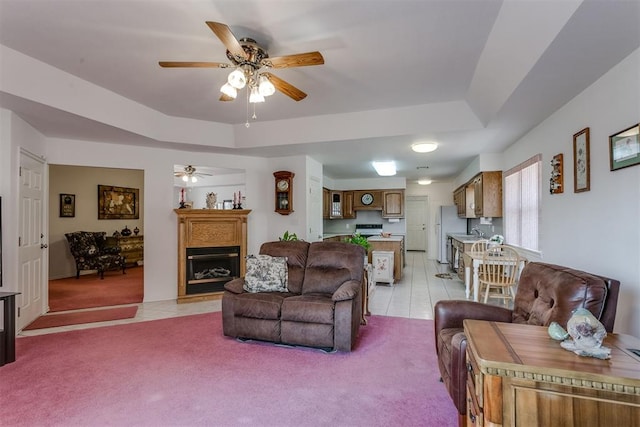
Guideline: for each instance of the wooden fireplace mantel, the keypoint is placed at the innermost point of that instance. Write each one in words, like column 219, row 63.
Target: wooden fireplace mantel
column 198, row 228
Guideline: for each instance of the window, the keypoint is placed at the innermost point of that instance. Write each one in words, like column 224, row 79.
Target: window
column 522, row 204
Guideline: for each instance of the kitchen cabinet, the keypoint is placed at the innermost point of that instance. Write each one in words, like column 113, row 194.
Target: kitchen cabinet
column 393, row 204
column 326, row 203
column 459, row 201
column 487, row 194
column 459, row 245
column 367, row 200
column 480, row 197
column 394, row 244
column 347, row 205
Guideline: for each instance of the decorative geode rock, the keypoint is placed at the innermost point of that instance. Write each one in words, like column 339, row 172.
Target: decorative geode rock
column 587, row 334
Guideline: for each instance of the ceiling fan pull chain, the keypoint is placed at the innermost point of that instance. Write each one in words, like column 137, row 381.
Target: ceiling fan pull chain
column 247, row 123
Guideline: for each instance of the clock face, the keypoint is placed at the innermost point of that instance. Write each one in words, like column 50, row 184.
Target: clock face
column 283, row 185
column 366, row 199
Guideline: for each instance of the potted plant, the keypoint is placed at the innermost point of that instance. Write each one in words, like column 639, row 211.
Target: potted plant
column 289, row 237
column 359, row 239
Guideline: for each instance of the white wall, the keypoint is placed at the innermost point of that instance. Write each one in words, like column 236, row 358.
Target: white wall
column 596, row 231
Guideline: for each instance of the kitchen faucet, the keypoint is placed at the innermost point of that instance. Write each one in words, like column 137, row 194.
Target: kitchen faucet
column 479, row 232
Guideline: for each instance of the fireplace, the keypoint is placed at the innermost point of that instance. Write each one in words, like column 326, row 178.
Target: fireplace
column 208, row 269
column 212, row 247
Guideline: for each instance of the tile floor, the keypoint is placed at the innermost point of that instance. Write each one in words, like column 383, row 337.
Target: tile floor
column 414, row 296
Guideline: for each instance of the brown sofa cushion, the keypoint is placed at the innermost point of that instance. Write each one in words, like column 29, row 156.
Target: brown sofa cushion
column 296, row 253
column 548, row 292
column 308, row 308
column 264, row 305
column 330, row 264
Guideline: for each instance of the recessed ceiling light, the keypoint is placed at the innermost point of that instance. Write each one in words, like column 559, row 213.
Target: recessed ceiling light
column 424, row 147
column 385, row 168
column 424, row 181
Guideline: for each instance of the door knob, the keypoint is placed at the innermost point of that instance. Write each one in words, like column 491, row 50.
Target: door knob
column 43, row 246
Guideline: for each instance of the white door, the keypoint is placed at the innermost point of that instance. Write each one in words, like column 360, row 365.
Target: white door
column 32, row 244
column 417, row 215
column 315, row 210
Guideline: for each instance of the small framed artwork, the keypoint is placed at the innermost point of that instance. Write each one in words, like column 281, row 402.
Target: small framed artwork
column 624, row 148
column 581, row 162
column 67, row 205
column 118, row 202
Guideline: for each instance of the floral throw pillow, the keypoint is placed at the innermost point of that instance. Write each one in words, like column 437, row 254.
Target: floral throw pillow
column 266, row 273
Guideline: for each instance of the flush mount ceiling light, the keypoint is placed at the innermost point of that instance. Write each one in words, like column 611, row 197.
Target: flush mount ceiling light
column 424, row 181
column 385, row 168
column 424, row 147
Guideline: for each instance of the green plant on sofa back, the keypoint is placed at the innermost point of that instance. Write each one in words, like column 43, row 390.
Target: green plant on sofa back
column 358, row 239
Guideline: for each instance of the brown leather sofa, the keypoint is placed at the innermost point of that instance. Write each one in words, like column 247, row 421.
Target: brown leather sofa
column 546, row 293
column 322, row 308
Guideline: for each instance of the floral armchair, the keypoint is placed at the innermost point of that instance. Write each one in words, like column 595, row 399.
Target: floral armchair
column 90, row 252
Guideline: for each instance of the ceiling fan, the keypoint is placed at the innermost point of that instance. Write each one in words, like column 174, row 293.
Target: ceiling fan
column 189, row 174
column 249, row 61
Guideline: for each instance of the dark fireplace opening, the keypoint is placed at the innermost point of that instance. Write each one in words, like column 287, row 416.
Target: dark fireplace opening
column 208, row 269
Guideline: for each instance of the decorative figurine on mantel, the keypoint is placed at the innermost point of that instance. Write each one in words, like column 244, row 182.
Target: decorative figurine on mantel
column 587, row 334
column 212, row 198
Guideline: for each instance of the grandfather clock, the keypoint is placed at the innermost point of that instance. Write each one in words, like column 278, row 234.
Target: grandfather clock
column 284, row 192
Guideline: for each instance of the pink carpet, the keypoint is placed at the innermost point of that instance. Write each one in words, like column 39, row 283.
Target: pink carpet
column 77, row 317
column 183, row 371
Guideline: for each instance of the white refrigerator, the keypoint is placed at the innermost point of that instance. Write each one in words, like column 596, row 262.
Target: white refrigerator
column 447, row 221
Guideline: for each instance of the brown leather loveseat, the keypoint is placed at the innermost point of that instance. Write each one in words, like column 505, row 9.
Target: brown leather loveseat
column 546, row 293
column 321, row 308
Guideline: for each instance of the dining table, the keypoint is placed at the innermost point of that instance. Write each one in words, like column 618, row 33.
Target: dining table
column 472, row 262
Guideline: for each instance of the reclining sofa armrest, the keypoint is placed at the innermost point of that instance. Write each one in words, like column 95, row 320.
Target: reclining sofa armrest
column 235, row 286
column 347, row 291
column 451, row 313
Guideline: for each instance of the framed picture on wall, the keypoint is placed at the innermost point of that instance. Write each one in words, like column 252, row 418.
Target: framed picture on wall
column 624, row 148
column 581, row 162
column 118, row 202
column 67, row 205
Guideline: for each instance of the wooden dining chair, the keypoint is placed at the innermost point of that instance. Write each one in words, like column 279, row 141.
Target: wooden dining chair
column 499, row 273
column 479, row 245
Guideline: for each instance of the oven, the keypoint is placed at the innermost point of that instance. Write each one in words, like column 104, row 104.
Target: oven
column 368, row 230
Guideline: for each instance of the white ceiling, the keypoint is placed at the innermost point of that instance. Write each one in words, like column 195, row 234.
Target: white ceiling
column 473, row 75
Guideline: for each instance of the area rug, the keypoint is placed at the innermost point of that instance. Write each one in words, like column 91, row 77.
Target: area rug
column 78, row 317
column 183, row 372
column 444, row 276
column 90, row 291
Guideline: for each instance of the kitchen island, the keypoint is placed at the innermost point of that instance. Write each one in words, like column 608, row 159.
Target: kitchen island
column 395, row 244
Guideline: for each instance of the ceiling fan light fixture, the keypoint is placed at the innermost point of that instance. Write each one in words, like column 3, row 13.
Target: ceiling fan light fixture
column 229, row 90
column 265, row 87
column 185, row 178
column 385, row 168
column 194, row 179
column 255, row 96
column 237, row 78
column 424, row 147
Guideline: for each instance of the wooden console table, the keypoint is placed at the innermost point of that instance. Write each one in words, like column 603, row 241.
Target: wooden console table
column 519, row 376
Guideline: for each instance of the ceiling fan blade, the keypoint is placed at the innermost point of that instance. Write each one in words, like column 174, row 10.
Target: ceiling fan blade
column 228, row 39
column 224, row 97
column 298, row 60
column 175, row 64
column 286, row 88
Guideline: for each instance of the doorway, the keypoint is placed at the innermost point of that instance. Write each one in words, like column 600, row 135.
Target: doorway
column 81, row 182
column 417, row 213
